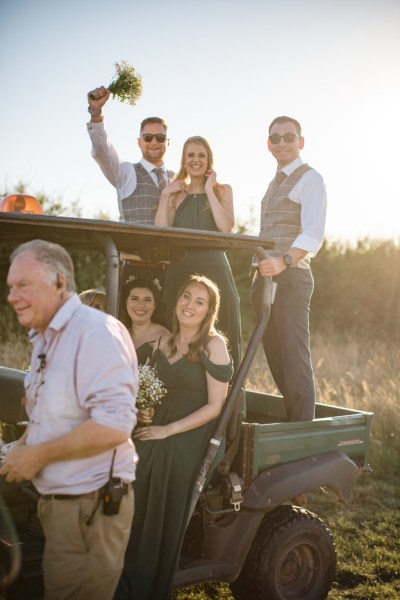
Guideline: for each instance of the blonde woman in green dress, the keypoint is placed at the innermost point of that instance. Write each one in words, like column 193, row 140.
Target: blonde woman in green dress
column 195, row 200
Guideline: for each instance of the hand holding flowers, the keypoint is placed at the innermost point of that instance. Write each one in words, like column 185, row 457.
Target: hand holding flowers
column 151, row 391
column 126, row 86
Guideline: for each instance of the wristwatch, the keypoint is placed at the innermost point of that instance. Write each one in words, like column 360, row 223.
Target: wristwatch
column 288, row 260
column 94, row 113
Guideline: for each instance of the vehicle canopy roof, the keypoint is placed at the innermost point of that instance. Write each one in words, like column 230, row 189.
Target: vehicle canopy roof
column 111, row 238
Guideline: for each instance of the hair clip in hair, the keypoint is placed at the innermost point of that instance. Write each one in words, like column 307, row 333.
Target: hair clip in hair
column 131, row 278
column 157, row 284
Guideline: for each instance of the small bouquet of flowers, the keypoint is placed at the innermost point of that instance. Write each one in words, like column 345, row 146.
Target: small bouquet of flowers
column 127, row 86
column 151, row 388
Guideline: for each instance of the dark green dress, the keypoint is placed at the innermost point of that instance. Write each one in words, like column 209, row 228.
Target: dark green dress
column 193, row 213
column 144, row 352
column 165, row 477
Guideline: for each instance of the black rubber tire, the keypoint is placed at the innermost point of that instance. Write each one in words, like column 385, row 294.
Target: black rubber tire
column 293, row 557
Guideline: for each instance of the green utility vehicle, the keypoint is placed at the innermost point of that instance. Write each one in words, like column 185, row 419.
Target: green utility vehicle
column 245, row 526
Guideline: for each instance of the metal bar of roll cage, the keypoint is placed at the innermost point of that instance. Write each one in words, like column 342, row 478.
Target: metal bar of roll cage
column 112, row 261
column 237, row 385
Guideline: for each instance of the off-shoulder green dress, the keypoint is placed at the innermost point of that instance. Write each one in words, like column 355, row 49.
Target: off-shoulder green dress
column 194, row 213
column 165, row 477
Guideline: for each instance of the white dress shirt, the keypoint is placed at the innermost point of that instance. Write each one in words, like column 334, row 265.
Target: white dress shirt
column 310, row 193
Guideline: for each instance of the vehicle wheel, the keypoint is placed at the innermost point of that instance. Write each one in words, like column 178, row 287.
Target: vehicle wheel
column 293, row 557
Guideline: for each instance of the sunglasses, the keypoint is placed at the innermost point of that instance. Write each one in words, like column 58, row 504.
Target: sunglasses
column 160, row 137
column 289, row 138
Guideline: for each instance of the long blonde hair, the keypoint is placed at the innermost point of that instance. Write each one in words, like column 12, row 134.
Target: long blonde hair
column 182, row 173
column 207, row 327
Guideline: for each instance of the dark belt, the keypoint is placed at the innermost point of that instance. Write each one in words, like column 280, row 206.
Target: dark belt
column 88, row 496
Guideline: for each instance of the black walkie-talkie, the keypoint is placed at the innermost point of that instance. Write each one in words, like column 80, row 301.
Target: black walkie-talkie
column 113, row 492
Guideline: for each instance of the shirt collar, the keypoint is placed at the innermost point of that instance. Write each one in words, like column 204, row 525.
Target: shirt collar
column 60, row 319
column 291, row 167
column 149, row 166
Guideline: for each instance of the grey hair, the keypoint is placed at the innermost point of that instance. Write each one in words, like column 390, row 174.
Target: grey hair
column 54, row 258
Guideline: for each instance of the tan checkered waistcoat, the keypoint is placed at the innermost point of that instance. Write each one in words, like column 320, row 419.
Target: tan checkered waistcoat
column 141, row 206
column 281, row 217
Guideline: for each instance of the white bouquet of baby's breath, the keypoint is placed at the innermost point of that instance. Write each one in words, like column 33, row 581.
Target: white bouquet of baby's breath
column 151, row 388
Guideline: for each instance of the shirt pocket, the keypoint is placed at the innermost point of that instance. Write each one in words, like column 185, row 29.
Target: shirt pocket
column 59, row 403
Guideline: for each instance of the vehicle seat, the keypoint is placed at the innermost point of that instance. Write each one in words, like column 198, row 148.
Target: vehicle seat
column 12, row 392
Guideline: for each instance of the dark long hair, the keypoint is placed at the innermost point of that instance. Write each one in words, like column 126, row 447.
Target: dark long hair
column 154, row 286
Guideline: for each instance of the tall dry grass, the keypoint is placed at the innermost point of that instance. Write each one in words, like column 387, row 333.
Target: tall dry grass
column 356, row 375
column 16, row 352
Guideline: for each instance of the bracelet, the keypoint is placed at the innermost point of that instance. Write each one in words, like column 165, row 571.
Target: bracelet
column 94, row 113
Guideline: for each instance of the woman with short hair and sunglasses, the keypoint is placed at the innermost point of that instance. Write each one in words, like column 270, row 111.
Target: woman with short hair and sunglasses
column 195, row 200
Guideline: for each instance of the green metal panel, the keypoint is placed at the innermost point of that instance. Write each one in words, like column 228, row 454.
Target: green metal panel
column 267, row 443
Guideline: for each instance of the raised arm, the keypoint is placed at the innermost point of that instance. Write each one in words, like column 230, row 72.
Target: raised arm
column 116, row 171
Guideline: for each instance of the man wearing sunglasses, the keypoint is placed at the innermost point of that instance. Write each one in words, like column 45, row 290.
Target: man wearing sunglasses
column 293, row 216
column 138, row 185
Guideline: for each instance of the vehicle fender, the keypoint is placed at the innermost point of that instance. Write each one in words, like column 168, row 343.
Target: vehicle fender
column 280, row 484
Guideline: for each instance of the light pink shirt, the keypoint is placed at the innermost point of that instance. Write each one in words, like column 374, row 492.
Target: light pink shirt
column 90, row 372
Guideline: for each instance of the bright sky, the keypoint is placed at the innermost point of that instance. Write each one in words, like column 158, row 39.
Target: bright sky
column 218, row 68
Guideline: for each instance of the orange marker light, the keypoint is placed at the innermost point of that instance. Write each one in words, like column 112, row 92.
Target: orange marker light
column 21, row 203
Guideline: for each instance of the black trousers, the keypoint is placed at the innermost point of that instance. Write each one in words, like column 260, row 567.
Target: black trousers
column 286, row 340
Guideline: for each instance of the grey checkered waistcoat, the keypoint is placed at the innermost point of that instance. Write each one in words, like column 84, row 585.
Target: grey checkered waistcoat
column 141, row 206
column 281, row 217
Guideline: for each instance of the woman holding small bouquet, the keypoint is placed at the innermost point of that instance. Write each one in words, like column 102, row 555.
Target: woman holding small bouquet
column 195, row 367
column 195, row 200
column 142, row 313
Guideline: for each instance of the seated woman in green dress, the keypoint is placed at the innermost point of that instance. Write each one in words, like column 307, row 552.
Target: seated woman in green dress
column 142, row 313
column 195, row 367
column 194, row 200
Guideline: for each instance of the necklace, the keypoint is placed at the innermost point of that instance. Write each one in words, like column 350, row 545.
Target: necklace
column 194, row 195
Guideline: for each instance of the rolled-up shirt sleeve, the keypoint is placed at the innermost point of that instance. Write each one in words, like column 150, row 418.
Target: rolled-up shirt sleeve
column 310, row 192
column 108, row 392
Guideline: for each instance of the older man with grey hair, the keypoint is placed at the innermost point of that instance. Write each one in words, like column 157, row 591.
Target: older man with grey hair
column 77, row 449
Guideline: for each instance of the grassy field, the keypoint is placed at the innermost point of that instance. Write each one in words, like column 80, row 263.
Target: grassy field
column 367, row 529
